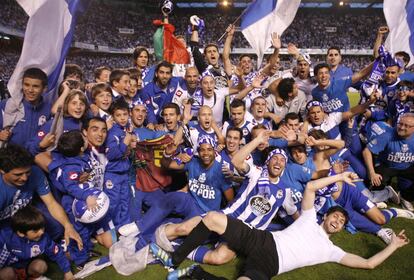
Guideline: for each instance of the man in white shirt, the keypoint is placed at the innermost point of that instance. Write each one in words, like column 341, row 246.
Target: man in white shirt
column 304, row 243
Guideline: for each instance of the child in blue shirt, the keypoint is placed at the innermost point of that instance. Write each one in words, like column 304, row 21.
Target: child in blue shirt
column 24, row 242
column 118, row 144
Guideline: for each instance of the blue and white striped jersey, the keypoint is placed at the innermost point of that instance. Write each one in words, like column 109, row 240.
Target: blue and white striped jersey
column 252, row 208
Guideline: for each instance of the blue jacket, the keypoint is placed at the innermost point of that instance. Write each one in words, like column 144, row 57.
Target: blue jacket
column 64, row 173
column 14, row 249
column 34, row 117
column 116, row 150
column 156, row 98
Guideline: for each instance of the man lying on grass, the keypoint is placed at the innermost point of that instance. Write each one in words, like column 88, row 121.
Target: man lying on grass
column 267, row 254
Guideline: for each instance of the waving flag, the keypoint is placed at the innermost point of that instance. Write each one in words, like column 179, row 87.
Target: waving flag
column 47, row 39
column 167, row 47
column 262, row 18
column 400, row 19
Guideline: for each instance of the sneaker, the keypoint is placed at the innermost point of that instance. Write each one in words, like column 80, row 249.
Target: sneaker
column 41, row 278
column 394, row 197
column 403, row 213
column 406, row 204
column 181, row 272
column 385, row 234
column 129, row 229
column 161, row 255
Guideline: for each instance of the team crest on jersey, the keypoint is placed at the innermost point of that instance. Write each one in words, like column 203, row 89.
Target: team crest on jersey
column 179, row 93
column 245, row 131
column 279, row 194
column 202, row 178
column 35, row 251
column 42, row 120
column 404, row 148
column 325, row 97
column 41, row 133
column 259, row 205
column 73, row 175
column 374, row 142
column 108, row 184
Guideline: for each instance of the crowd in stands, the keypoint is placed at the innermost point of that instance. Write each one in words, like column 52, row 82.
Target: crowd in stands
column 154, row 152
column 100, row 23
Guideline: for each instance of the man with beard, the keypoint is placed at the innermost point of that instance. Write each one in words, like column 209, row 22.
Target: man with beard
column 159, row 92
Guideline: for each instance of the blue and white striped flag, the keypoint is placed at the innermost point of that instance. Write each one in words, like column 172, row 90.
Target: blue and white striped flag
column 400, row 20
column 262, row 18
column 47, row 39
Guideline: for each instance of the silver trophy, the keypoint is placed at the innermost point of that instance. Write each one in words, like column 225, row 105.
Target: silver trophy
column 167, row 7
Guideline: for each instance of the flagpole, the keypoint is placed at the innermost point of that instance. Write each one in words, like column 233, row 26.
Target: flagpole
column 234, row 22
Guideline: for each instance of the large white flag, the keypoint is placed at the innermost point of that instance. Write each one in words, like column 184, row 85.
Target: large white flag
column 400, row 20
column 47, row 39
column 262, row 18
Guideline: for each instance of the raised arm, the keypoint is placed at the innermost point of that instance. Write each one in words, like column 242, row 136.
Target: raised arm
column 61, row 100
column 239, row 159
column 277, row 44
column 334, row 145
column 256, row 83
column 379, row 39
column 356, row 261
column 362, row 73
column 228, row 67
column 312, row 186
column 358, row 109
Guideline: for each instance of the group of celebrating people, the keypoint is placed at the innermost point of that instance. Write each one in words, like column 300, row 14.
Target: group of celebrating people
column 273, row 162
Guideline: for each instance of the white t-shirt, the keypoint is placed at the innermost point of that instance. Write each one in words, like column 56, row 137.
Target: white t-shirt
column 217, row 104
column 331, row 121
column 297, row 105
column 305, row 243
column 306, row 86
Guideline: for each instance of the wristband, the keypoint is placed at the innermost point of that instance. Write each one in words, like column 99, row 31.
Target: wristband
column 166, row 155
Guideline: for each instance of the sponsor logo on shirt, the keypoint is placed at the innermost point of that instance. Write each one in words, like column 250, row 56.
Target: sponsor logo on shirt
column 259, row 205
column 73, row 175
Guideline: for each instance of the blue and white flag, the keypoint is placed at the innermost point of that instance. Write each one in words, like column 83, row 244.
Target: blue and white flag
column 47, row 39
column 262, row 18
column 400, row 20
